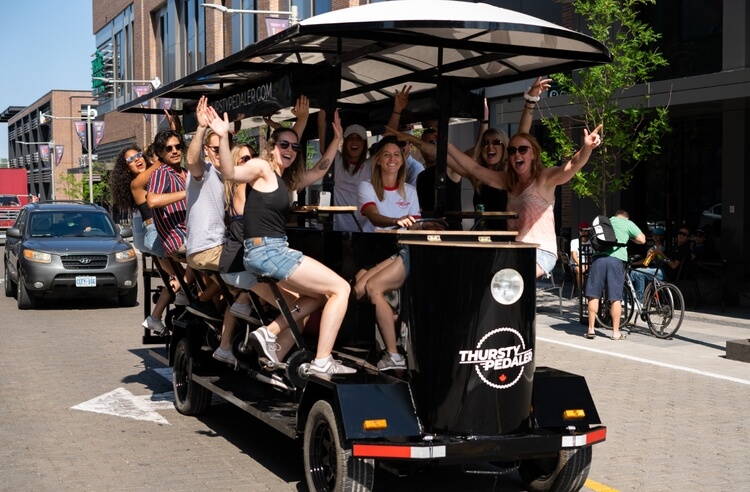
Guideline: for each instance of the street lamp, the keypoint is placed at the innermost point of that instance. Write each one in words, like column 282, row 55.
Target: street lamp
column 51, row 145
column 90, row 114
column 293, row 16
column 155, row 82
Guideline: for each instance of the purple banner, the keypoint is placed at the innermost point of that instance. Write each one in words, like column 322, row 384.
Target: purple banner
column 98, row 133
column 142, row 90
column 59, row 150
column 166, row 104
column 44, row 152
column 80, row 127
column 275, row 25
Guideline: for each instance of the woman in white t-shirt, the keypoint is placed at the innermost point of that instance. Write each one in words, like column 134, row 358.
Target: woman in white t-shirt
column 386, row 202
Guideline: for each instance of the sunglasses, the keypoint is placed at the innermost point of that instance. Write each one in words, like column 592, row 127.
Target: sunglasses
column 134, row 157
column 683, row 233
column 521, row 149
column 177, row 147
column 245, row 158
column 285, row 145
column 214, row 149
column 494, row 142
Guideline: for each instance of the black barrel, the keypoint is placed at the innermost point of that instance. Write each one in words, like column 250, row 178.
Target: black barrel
column 474, row 357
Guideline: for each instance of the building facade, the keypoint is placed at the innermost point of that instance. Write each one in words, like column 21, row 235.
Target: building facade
column 48, row 146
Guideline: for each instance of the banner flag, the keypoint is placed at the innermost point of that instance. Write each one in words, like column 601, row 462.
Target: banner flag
column 275, row 25
column 44, row 152
column 98, row 133
column 80, row 127
column 142, row 90
column 59, row 150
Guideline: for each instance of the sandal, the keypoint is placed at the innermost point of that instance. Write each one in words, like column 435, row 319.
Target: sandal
column 590, row 336
column 621, row 337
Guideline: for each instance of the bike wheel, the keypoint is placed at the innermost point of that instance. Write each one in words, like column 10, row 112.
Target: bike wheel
column 664, row 310
column 604, row 316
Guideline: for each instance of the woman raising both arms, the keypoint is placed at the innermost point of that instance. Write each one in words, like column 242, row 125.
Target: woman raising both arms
column 266, row 250
column 531, row 189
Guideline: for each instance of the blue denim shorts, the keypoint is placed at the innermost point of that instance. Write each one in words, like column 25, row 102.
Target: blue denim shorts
column 146, row 239
column 403, row 252
column 243, row 280
column 546, row 260
column 271, row 257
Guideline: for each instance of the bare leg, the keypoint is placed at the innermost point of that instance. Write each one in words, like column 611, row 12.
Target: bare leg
column 389, row 276
column 313, row 276
column 227, row 329
column 615, row 309
column 593, row 309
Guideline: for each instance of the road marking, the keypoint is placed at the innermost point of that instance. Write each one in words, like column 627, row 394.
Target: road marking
column 598, row 487
column 648, row 361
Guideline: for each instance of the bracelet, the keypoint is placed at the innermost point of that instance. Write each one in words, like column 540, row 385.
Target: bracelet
column 396, row 112
column 529, row 97
column 485, row 122
column 531, row 107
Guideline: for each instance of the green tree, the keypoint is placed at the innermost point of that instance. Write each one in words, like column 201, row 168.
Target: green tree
column 630, row 134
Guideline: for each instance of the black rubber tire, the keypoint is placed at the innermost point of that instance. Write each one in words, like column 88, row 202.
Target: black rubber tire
column 23, row 298
column 190, row 398
column 294, row 363
column 603, row 316
column 10, row 288
column 328, row 466
column 567, row 472
column 664, row 311
column 129, row 298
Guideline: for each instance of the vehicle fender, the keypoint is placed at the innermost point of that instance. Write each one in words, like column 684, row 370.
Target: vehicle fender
column 556, row 391
column 355, row 403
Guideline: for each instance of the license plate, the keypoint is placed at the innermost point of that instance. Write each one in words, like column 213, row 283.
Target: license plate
column 86, row 281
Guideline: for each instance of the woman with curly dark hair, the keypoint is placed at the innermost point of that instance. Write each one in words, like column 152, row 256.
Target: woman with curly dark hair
column 128, row 181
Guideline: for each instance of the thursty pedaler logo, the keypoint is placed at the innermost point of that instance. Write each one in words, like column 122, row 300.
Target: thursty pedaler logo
column 498, row 367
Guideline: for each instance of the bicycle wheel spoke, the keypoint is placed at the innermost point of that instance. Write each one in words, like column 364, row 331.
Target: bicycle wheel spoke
column 665, row 310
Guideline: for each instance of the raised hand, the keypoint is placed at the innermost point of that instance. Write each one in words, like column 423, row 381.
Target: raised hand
column 401, row 99
column 338, row 130
column 540, row 86
column 592, row 140
column 301, row 107
column 173, row 119
column 200, row 112
column 219, row 125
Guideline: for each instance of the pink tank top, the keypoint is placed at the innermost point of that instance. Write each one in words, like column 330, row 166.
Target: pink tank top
column 536, row 219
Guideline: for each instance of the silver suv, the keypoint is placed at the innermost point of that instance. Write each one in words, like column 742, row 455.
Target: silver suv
column 68, row 250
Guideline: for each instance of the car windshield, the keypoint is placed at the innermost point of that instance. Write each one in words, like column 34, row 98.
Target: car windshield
column 71, row 224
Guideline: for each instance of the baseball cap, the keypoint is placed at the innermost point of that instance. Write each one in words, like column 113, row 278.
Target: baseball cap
column 356, row 130
column 658, row 231
column 583, row 225
column 390, row 139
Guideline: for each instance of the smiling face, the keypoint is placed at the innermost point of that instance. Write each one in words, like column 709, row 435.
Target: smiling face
column 284, row 153
column 353, row 147
column 136, row 163
column 521, row 155
column 390, row 159
column 211, row 148
column 493, row 149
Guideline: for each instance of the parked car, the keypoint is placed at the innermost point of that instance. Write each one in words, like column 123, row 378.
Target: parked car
column 68, row 250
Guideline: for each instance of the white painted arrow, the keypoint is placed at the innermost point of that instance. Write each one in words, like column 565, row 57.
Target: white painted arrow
column 122, row 403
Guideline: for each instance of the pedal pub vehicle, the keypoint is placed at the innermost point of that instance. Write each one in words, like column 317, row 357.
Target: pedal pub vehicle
column 472, row 392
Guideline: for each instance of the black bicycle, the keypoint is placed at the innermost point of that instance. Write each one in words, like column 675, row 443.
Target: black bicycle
column 662, row 306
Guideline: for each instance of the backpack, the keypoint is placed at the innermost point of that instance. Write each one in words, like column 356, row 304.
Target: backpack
column 602, row 235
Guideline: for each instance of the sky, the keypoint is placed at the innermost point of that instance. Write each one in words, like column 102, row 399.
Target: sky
column 46, row 45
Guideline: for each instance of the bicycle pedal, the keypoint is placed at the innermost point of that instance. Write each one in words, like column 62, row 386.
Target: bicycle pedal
column 271, row 365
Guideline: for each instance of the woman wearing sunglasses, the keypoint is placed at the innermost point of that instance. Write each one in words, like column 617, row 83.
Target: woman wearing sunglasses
column 531, row 189
column 128, row 182
column 270, row 178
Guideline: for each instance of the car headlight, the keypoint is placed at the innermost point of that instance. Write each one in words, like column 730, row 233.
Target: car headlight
column 37, row 256
column 127, row 255
column 506, row 286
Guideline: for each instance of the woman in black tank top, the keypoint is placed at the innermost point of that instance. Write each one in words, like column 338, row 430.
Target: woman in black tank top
column 269, row 179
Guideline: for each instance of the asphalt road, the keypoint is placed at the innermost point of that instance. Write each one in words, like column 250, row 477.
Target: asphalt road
column 84, row 407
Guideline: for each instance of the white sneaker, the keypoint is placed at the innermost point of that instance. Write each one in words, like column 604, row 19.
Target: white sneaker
column 388, row 362
column 331, row 366
column 180, row 299
column 265, row 343
column 244, row 311
column 154, row 325
column 225, row 356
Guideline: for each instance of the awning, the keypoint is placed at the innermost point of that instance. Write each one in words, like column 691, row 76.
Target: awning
column 375, row 49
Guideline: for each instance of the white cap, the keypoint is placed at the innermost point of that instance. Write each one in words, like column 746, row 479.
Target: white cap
column 356, row 129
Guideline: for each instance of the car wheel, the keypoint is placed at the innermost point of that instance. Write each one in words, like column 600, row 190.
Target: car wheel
column 24, row 299
column 10, row 289
column 190, row 398
column 129, row 298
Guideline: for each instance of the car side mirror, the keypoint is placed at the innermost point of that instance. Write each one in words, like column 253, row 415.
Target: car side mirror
column 13, row 232
column 125, row 231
